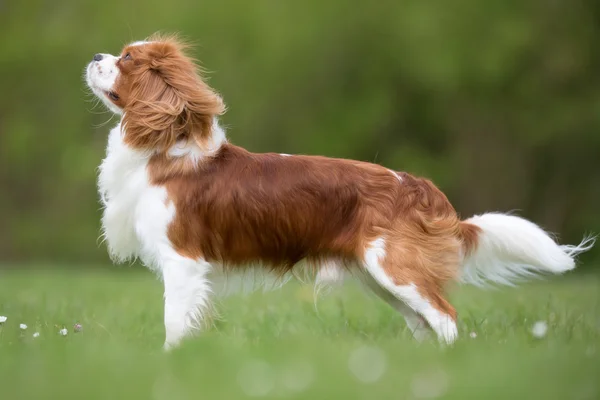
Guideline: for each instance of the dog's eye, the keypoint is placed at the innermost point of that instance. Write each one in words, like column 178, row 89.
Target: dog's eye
column 113, row 96
column 127, row 56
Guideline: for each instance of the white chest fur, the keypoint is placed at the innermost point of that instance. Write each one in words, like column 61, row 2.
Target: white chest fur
column 135, row 216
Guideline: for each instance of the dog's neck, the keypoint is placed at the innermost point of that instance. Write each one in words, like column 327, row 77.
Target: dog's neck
column 186, row 155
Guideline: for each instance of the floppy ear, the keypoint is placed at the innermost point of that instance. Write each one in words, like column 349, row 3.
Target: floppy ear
column 202, row 104
column 169, row 102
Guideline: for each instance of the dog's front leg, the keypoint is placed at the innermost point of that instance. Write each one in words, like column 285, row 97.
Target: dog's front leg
column 187, row 302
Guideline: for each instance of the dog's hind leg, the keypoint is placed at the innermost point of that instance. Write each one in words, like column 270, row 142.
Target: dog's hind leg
column 418, row 327
column 417, row 288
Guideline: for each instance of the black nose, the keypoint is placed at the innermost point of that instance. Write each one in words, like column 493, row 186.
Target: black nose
column 98, row 57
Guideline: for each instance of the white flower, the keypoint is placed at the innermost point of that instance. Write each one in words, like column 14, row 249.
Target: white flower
column 63, row 331
column 539, row 329
column 23, row 326
column 473, row 335
column 2, row 319
column 36, row 334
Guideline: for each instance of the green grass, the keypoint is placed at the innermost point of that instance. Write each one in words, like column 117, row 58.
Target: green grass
column 275, row 345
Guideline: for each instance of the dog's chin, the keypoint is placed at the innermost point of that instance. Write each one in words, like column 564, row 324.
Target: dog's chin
column 102, row 94
column 110, row 105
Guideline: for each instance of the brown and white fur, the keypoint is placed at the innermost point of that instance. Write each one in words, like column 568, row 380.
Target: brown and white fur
column 182, row 199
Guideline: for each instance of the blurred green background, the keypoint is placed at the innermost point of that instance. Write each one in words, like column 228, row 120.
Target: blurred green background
column 497, row 101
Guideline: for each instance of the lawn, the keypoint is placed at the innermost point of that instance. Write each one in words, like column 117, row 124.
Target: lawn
column 278, row 345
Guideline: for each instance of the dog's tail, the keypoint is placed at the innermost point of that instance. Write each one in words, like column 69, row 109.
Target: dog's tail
column 503, row 249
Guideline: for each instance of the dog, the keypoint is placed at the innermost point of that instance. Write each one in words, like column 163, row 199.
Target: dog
column 185, row 201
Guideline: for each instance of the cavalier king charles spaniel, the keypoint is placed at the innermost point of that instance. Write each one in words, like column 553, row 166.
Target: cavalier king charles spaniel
column 185, row 201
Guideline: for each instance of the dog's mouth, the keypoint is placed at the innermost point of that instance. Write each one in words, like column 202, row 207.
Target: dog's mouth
column 110, row 94
column 114, row 96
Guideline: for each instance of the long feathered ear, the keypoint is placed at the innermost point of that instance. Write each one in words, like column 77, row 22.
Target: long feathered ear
column 169, row 102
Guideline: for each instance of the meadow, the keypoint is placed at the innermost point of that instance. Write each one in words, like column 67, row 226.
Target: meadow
column 283, row 344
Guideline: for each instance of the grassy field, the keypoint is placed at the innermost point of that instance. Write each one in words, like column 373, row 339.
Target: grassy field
column 277, row 345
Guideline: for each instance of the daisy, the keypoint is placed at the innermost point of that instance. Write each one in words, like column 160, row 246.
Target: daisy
column 539, row 329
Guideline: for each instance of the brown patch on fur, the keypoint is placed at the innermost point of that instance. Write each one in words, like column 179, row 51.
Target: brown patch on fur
column 238, row 207
column 422, row 244
column 162, row 166
column 470, row 236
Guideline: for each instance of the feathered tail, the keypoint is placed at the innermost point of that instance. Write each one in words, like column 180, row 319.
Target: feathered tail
column 503, row 249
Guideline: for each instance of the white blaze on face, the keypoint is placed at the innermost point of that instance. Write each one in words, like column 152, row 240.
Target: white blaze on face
column 101, row 75
column 396, row 175
column 139, row 43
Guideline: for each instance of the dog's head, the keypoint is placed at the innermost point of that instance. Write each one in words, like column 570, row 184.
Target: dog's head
column 157, row 89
